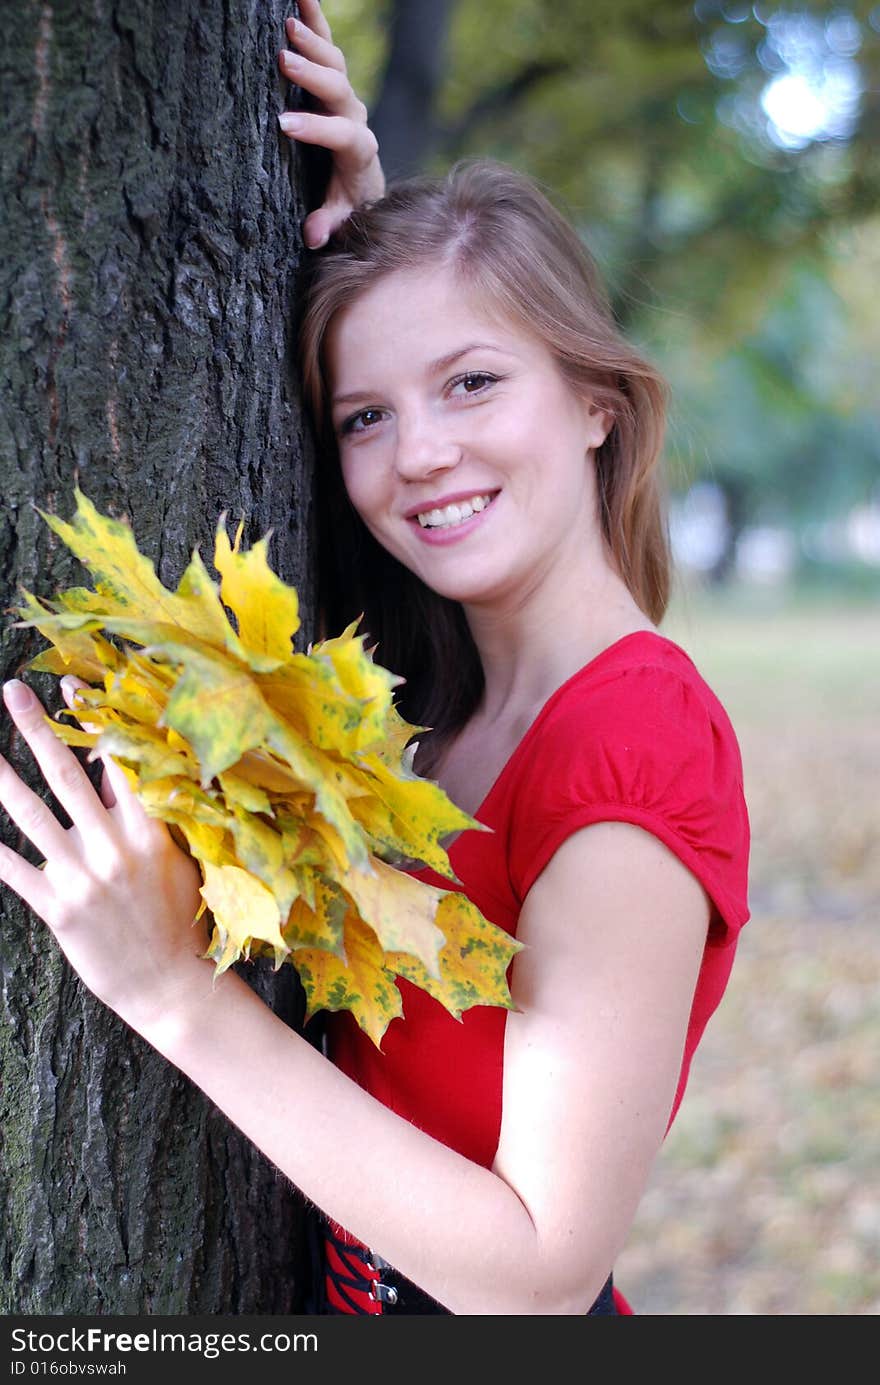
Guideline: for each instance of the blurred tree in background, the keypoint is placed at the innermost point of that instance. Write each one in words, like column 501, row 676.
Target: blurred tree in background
column 721, row 161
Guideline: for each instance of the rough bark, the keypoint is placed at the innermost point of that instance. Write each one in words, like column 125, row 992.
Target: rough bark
column 147, row 304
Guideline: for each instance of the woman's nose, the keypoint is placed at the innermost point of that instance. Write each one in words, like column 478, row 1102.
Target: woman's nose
column 423, row 448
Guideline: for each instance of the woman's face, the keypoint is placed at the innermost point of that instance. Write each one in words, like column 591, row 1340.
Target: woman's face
column 463, row 449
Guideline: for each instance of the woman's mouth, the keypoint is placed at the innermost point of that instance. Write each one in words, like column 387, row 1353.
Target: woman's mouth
column 454, row 515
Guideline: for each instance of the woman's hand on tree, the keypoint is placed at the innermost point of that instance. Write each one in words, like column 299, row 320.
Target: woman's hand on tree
column 340, row 125
column 117, row 892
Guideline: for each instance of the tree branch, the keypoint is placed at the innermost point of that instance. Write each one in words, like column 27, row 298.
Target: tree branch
column 452, row 136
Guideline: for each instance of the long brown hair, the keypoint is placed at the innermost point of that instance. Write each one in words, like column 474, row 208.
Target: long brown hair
column 508, row 245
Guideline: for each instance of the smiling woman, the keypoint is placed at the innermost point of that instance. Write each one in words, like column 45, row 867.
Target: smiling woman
column 492, row 504
column 515, row 443
column 486, row 293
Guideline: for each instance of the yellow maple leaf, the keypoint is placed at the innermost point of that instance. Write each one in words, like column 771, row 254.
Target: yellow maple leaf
column 243, row 910
column 206, row 841
column 260, row 848
column 410, row 816
column 216, row 706
column 309, row 696
column 401, row 911
column 473, row 962
column 367, row 682
column 317, row 921
column 242, row 792
column 149, row 750
column 360, row 982
column 82, row 653
column 287, row 776
column 127, row 583
column 265, row 608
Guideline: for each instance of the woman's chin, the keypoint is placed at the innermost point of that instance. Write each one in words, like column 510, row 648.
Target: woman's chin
column 474, row 593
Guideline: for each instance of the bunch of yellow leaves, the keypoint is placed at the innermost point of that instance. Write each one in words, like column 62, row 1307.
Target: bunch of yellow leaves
column 285, row 774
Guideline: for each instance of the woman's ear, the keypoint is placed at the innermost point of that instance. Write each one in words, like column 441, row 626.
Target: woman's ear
column 599, row 423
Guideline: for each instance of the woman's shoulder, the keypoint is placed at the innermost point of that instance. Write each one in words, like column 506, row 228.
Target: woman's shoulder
column 648, row 651
column 636, row 735
column 644, row 685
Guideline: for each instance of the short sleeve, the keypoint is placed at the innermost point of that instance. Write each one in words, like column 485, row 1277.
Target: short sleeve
column 645, row 746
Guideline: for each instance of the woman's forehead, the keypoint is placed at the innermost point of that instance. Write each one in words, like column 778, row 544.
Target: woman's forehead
column 435, row 288
column 428, row 311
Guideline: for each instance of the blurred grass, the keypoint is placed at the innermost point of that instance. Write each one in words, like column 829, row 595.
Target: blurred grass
column 766, row 1196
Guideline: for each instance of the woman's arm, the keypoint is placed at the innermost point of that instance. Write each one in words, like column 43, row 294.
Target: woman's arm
column 318, row 66
column 604, row 986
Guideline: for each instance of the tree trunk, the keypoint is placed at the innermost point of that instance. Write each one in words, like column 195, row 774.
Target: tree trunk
column 403, row 120
column 149, row 269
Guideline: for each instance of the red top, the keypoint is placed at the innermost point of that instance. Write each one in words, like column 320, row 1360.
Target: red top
column 635, row 736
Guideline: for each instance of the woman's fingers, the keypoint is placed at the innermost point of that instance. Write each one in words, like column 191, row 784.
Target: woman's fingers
column 121, row 903
column 117, row 795
column 62, row 772
column 31, row 815
column 340, row 125
column 351, row 138
column 311, row 17
column 310, row 46
column 331, row 86
column 70, row 686
column 357, row 177
column 29, row 884
column 115, row 790
column 319, row 226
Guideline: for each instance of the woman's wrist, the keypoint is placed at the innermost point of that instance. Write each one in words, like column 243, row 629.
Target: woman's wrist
column 173, row 1018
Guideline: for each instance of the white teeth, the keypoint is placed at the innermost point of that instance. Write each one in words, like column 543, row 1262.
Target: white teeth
column 453, row 514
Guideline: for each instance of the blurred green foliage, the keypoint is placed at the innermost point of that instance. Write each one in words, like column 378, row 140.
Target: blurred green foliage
column 741, row 255
column 781, row 414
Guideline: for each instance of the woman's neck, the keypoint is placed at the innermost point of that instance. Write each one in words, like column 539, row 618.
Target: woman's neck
column 529, row 646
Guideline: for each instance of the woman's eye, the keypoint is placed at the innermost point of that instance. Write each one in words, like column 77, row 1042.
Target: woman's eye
column 474, row 381
column 359, row 423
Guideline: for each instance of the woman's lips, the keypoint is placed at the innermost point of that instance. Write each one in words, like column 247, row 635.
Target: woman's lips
column 451, row 533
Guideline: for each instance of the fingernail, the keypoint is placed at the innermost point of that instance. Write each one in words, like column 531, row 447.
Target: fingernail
column 17, row 696
column 290, row 123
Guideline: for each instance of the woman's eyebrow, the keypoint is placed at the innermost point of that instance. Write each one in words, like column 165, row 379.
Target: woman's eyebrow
column 441, row 363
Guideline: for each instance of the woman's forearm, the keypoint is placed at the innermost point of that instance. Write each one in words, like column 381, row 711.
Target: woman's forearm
column 116, row 894
column 453, row 1227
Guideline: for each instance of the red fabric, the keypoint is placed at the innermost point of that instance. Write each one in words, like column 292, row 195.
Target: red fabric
column 635, row 736
column 620, row 1302
column 349, row 1270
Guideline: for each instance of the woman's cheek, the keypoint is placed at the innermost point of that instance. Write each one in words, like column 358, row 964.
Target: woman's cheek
column 366, row 489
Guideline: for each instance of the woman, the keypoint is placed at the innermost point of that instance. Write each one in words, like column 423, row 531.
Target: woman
column 496, row 485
